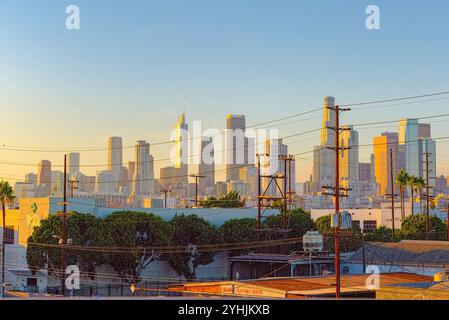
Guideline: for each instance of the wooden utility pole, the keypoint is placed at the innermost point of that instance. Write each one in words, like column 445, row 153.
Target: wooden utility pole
column 165, row 190
column 64, row 228
column 259, row 191
column 287, row 194
column 337, row 190
column 197, row 177
column 73, row 187
column 392, row 195
column 427, row 196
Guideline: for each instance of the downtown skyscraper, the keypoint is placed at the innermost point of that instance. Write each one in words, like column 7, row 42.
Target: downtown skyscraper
column 143, row 180
column 236, row 146
column 323, row 158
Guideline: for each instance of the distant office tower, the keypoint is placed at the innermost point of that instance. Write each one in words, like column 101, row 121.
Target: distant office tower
column 428, row 145
column 249, row 175
column 57, row 183
column 115, row 155
column 382, row 146
column 32, row 178
column 105, row 182
column 236, row 146
column 44, row 178
column 327, row 140
column 182, row 149
column 349, row 158
column 131, row 171
column 168, row 176
column 23, row 190
column 73, row 163
column 424, row 130
column 273, row 166
column 315, row 184
column 409, row 146
column 86, row 184
column 323, row 158
column 221, row 188
column 441, row 184
column 365, row 171
column 372, row 161
column 144, row 170
column 206, row 167
column 328, row 136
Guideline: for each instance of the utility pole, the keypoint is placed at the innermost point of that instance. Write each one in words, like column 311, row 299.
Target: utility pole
column 64, row 228
column 392, row 191
column 428, row 196
column 337, row 189
column 447, row 212
column 197, row 177
column 165, row 190
column 73, row 187
column 392, row 195
column 287, row 194
column 259, row 191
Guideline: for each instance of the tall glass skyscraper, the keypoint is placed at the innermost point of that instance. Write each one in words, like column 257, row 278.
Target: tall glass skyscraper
column 409, row 154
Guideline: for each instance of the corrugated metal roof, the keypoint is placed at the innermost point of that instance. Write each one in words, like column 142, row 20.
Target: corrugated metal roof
column 405, row 252
column 26, row 273
column 305, row 286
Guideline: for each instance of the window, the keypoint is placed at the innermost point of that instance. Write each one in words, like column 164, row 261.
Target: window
column 31, row 282
column 356, row 224
column 9, row 235
column 369, row 225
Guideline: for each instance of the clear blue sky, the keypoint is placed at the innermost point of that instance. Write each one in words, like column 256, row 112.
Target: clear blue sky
column 127, row 70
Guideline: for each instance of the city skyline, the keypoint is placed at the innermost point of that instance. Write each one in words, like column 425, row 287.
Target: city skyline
column 175, row 67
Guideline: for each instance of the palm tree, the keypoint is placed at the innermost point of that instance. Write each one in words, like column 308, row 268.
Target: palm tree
column 412, row 183
column 6, row 196
column 401, row 180
column 421, row 183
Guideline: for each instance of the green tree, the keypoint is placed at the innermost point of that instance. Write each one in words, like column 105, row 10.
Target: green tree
column 401, row 180
column 350, row 240
column 44, row 252
column 323, row 224
column 6, row 197
column 140, row 232
column 191, row 231
column 414, row 227
column 298, row 223
column 412, row 183
column 239, row 230
column 420, row 184
column 383, row 234
column 231, row 200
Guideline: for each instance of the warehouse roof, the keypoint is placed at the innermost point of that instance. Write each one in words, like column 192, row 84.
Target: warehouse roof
column 406, row 252
column 296, row 287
